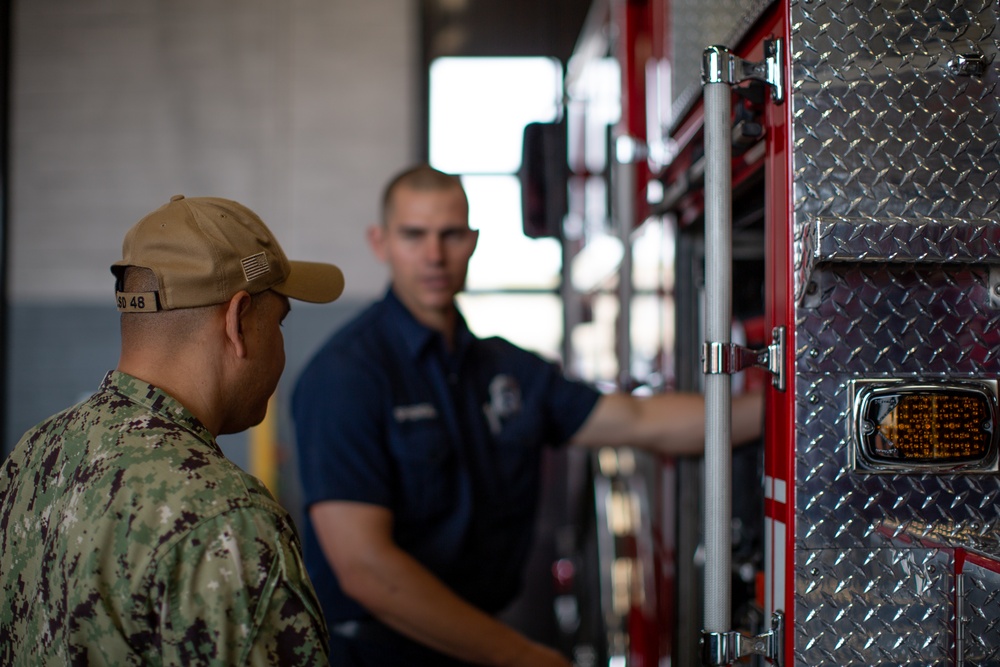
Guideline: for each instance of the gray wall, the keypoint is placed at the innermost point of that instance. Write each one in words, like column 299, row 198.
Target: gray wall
column 299, row 109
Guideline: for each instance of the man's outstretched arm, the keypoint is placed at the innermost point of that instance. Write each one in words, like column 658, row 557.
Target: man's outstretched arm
column 395, row 588
column 672, row 423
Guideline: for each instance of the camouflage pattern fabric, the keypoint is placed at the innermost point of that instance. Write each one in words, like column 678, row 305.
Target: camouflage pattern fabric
column 127, row 538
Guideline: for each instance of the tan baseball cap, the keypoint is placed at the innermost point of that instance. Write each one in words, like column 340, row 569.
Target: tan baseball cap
column 203, row 250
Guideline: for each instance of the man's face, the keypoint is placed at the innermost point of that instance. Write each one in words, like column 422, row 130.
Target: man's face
column 427, row 243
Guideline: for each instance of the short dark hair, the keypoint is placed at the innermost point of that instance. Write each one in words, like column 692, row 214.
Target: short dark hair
column 420, row 177
column 138, row 327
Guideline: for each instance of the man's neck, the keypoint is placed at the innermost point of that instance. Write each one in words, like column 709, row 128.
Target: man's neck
column 175, row 381
column 442, row 322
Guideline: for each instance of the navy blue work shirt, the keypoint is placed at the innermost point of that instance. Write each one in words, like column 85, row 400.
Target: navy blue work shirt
column 449, row 442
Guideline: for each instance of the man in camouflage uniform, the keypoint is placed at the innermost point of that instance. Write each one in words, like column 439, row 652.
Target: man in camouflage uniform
column 126, row 537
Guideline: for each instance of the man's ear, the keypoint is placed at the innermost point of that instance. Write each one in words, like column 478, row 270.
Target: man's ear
column 376, row 240
column 236, row 311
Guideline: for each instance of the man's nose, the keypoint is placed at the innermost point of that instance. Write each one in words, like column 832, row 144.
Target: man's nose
column 434, row 249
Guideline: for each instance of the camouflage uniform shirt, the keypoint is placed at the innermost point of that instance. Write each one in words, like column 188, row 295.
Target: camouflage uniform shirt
column 127, row 538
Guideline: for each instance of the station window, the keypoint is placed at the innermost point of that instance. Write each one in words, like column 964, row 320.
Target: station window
column 477, row 114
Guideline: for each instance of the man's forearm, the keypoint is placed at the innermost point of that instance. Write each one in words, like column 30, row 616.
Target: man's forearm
column 672, row 423
column 748, row 417
column 407, row 597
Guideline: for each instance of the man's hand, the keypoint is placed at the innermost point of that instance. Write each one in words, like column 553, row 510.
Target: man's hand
column 402, row 594
column 537, row 655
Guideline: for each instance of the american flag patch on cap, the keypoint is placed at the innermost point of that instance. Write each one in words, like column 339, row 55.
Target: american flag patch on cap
column 255, row 266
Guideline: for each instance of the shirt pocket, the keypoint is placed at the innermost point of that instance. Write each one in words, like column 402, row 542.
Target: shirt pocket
column 426, row 468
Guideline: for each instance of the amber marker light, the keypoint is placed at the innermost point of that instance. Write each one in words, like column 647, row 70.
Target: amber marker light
column 926, row 426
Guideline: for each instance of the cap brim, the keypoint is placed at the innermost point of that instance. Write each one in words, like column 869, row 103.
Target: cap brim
column 314, row 282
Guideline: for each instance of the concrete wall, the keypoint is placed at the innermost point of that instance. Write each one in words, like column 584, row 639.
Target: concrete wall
column 299, row 109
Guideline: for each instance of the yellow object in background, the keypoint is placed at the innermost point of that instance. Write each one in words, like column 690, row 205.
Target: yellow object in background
column 264, row 449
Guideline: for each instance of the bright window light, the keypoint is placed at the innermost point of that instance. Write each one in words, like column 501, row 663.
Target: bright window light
column 505, row 258
column 479, row 107
column 533, row 321
column 478, row 110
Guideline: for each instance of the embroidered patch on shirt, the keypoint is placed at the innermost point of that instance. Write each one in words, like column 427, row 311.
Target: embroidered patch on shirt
column 416, row 412
column 505, row 401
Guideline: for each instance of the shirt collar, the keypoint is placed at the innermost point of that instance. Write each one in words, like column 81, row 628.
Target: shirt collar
column 156, row 401
column 418, row 338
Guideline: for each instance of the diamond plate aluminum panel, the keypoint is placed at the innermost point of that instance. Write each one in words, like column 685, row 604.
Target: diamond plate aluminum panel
column 838, row 509
column 877, row 319
column 900, row 321
column 883, row 128
column 896, row 219
column 868, row 608
column 896, row 239
column 981, row 616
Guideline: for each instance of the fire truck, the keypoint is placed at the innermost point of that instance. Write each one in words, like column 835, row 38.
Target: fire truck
column 819, row 179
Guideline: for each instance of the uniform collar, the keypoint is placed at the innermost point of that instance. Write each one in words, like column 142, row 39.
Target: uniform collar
column 417, row 338
column 156, row 401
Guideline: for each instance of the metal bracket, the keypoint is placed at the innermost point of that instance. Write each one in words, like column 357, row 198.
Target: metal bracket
column 730, row 358
column 994, row 286
column 725, row 648
column 720, row 65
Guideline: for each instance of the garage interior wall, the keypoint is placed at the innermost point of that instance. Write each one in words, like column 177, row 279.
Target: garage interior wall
column 299, row 109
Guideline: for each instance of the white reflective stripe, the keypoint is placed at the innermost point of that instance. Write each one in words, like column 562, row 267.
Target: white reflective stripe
column 780, row 491
column 780, row 576
column 768, row 565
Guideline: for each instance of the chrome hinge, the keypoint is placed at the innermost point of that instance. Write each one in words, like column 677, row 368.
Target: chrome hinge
column 730, row 358
column 720, row 65
column 725, row 648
